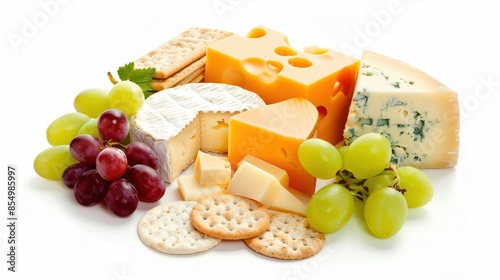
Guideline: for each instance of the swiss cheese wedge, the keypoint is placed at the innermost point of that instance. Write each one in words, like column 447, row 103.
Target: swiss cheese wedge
column 264, row 62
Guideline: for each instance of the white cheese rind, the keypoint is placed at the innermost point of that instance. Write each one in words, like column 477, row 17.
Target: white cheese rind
column 174, row 122
column 418, row 114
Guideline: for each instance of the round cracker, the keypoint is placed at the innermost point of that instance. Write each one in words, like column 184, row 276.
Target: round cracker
column 288, row 237
column 230, row 217
column 167, row 228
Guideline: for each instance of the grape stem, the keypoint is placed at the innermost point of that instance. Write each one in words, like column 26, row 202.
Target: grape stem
column 396, row 180
column 355, row 186
column 112, row 79
column 110, row 143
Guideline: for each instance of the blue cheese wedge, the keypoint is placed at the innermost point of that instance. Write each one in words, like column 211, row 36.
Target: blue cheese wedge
column 418, row 114
column 179, row 121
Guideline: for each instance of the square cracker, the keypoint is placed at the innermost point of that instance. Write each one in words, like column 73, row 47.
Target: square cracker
column 181, row 51
column 198, row 79
column 187, row 74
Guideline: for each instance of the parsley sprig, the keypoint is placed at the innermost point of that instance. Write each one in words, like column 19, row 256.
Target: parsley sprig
column 140, row 76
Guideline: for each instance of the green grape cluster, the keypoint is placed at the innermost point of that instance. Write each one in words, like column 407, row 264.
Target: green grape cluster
column 89, row 104
column 362, row 171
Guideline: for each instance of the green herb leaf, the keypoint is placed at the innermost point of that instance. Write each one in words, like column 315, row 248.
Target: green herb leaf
column 146, row 88
column 124, row 72
column 140, row 76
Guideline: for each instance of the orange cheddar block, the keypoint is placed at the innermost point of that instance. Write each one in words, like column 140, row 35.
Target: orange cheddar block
column 274, row 133
column 265, row 63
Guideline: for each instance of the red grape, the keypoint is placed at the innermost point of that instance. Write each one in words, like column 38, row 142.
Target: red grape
column 113, row 125
column 141, row 153
column 73, row 172
column 90, row 188
column 121, row 197
column 111, row 163
column 85, row 148
column 147, row 182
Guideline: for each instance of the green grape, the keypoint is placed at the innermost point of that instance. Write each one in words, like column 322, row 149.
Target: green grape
column 385, row 212
column 387, row 172
column 419, row 189
column 342, row 150
column 51, row 162
column 92, row 102
column 377, row 182
column 126, row 96
column 368, row 155
column 330, row 208
column 319, row 158
column 64, row 128
column 90, row 128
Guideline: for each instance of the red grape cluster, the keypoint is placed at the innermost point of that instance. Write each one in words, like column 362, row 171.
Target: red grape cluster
column 120, row 175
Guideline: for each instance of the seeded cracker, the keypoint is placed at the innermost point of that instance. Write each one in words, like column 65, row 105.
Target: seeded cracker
column 180, row 52
column 289, row 237
column 167, row 228
column 230, row 217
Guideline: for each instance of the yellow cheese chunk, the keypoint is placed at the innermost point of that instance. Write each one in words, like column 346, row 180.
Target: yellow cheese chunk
column 304, row 198
column 254, row 183
column 282, row 177
column 285, row 201
column 277, row 172
column 191, row 190
column 211, row 170
column 274, row 133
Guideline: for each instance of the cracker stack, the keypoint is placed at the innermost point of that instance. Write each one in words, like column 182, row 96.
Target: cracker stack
column 182, row 59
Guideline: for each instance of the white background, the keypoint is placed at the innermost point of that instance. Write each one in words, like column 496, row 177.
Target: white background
column 51, row 50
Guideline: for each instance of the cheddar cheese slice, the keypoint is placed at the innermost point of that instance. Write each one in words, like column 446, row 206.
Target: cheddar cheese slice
column 265, row 63
column 273, row 133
